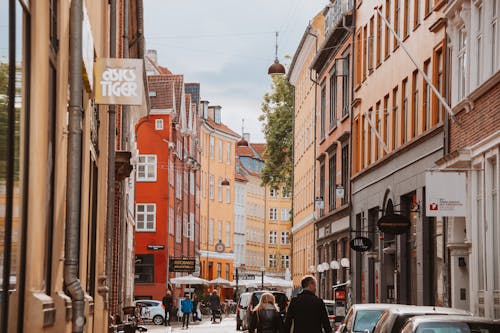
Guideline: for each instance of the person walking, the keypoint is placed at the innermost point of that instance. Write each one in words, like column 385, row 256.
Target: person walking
column 214, row 304
column 195, row 308
column 307, row 312
column 168, row 303
column 266, row 317
column 186, row 308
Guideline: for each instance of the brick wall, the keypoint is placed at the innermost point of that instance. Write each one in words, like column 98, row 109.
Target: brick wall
column 477, row 123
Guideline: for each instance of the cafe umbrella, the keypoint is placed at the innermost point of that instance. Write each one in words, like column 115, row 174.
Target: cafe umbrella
column 189, row 280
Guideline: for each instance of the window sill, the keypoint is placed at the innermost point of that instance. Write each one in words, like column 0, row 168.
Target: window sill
column 406, row 37
column 428, row 14
column 332, row 128
column 415, row 27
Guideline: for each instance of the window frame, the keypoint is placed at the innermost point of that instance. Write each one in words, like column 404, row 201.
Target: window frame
column 147, row 165
column 159, row 124
column 145, row 213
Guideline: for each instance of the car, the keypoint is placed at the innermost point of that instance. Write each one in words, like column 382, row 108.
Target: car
column 330, row 309
column 363, row 317
column 281, row 301
column 151, row 310
column 451, row 323
column 393, row 319
column 241, row 311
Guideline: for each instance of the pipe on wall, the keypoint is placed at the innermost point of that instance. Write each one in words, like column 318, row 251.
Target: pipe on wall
column 74, row 171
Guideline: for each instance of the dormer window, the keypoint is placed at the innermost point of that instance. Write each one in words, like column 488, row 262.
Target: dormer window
column 217, row 115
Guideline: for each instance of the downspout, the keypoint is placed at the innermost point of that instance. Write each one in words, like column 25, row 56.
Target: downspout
column 74, row 171
column 111, row 159
column 351, row 148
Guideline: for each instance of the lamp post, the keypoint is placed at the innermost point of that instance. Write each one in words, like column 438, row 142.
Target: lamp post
column 236, row 267
column 262, row 269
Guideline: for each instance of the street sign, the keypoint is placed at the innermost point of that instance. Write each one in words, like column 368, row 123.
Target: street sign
column 394, row 224
column 445, row 193
column 182, row 265
column 361, row 244
column 156, row 247
column 245, row 277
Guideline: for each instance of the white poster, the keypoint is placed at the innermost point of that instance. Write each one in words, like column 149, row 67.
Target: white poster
column 445, row 193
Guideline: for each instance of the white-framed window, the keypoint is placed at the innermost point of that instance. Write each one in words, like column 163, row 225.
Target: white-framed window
column 285, row 194
column 273, row 262
column 191, row 182
column 273, row 214
column 219, row 189
column 191, row 227
column 212, row 148
column 285, row 214
column 159, row 124
column 228, row 234
column 494, row 35
column 212, row 187
column 171, row 220
column 285, row 238
column 273, row 193
column 228, row 153
column 273, row 237
column 479, row 42
column 178, row 185
column 220, row 152
column 146, row 168
column 462, row 63
column 285, row 261
column 178, row 229
column 171, row 174
column 211, row 232
column 145, row 217
column 228, row 194
column 219, row 231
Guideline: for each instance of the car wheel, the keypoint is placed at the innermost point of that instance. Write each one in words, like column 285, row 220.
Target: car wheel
column 158, row 320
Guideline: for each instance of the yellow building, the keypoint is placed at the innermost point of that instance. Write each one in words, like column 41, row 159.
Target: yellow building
column 217, row 197
column 304, row 216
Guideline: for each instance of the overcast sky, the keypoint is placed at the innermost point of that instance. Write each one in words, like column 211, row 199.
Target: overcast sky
column 227, row 46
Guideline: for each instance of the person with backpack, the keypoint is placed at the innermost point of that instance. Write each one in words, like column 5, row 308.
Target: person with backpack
column 266, row 317
column 186, row 309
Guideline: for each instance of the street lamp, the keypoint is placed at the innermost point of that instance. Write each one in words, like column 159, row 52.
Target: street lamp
column 262, row 269
column 276, row 68
column 236, row 267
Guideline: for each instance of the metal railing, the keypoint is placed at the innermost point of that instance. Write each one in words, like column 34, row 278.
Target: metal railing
column 336, row 12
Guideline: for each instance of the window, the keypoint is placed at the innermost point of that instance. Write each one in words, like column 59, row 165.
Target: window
column 397, row 13
column 219, row 270
column 273, row 214
column 378, row 129
column 272, row 261
column 363, row 140
column 346, row 85
column 427, row 98
column 386, row 120
column 480, row 226
column 332, row 182
column 211, row 232
column 438, row 79
column 144, row 268
column 494, row 41
column 285, row 238
column 273, row 193
column 228, row 272
column 285, row 194
column 406, row 18
column 178, row 228
column 145, row 217
column 492, row 175
column 212, row 148
column 171, row 220
column 272, row 237
column 285, row 214
column 228, row 234
column 228, row 194
column 322, row 185
column 228, row 153
column 414, row 106
column 323, row 110
column 365, row 51
column 159, row 124
column 285, row 261
column 219, row 189
column 358, row 58
column 333, row 98
column 369, row 137
column 462, row 62
column 220, row 155
column 219, row 231
column 387, row 44
column 371, row 48
column 416, row 13
column 146, row 168
column 428, row 6
column 394, row 118
column 479, row 43
column 345, row 171
column 211, row 185
column 404, row 111
column 379, row 39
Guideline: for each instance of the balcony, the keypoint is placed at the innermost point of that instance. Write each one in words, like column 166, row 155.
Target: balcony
column 335, row 12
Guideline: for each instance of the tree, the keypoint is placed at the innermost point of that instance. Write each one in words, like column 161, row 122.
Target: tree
column 277, row 117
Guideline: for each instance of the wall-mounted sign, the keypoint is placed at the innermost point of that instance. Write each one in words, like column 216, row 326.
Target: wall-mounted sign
column 320, row 203
column 183, row 265
column 339, row 191
column 340, row 295
column 394, row 224
column 445, row 193
column 119, row 81
column 87, row 51
column 361, row 244
column 156, row 247
column 245, row 277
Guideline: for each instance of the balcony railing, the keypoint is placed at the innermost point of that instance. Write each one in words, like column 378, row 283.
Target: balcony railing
column 338, row 8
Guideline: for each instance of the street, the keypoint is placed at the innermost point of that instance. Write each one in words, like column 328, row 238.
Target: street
column 227, row 325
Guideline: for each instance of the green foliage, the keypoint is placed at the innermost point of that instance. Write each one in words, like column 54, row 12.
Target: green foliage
column 277, row 116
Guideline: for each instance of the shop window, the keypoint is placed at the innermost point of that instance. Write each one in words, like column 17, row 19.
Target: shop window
column 144, row 268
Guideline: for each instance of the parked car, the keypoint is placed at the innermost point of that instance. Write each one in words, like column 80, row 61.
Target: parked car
column 330, row 309
column 362, row 317
column 451, row 323
column 393, row 319
column 281, row 301
column 151, row 310
column 241, row 311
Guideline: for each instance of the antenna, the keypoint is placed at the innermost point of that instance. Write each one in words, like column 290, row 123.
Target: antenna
column 277, row 33
column 242, row 126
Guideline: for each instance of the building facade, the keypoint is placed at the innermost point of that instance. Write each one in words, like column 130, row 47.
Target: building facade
column 299, row 75
column 473, row 148
column 332, row 65
column 397, row 134
column 218, row 143
column 50, row 188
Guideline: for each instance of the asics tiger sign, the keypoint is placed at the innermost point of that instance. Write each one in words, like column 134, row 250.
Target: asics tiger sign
column 118, row 81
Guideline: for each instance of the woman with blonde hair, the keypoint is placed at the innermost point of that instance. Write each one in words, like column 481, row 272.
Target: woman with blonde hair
column 266, row 317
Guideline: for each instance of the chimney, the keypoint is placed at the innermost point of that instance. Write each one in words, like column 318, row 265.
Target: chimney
column 153, row 55
column 214, row 113
column 246, row 137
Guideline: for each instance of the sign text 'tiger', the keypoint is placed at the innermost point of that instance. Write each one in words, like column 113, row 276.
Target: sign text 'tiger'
column 119, row 81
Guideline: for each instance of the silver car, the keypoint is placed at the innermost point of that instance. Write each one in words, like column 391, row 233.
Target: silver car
column 151, row 310
column 451, row 323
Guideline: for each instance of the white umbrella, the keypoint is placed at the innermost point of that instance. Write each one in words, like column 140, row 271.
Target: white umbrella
column 219, row 280
column 188, row 279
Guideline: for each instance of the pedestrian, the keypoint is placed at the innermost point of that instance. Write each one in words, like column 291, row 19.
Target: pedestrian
column 214, row 304
column 307, row 312
column 195, row 308
column 186, row 308
column 265, row 317
column 167, row 303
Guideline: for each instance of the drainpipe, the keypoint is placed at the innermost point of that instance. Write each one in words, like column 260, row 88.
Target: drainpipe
column 74, row 171
column 111, row 159
column 352, row 255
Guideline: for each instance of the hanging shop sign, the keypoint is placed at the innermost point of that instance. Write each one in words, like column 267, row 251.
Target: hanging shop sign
column 119, row 81
column 320, row 203
column 394, row 224
column 445, row 193
column 182, row 265
column 361, row 244
column 339, row 191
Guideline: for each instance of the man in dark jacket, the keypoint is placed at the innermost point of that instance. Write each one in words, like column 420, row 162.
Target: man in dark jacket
column 214, row 304
column 307, row 312
column 168, row 303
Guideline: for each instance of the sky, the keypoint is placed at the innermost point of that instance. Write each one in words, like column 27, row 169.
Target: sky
column 227, row 46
